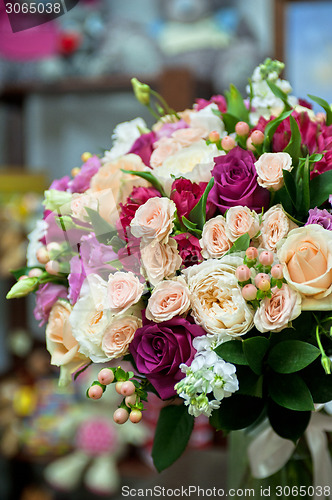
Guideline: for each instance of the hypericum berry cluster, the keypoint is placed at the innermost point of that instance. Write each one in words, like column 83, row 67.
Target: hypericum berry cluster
column 131, row 390
column 257, row 287
column 253, row 142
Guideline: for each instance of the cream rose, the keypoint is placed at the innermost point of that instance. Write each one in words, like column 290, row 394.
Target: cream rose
column 119, row 334
column 165, row 147
column 160, row 261
column 187, row 136
column 275, row 226
column 124, row 290
column 208, row 120
column 78, row 204
column 110, row 176
column 269, row 169
column 215, row 242
column 168, row 299
column 276, row 313
column 216, row 299
column 241, row 220
column 306, row 255
column 153, row 221
column 60, row 343
column 124, row 136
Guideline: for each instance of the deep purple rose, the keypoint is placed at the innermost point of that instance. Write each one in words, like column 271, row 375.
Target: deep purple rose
column 235, row 182
column 75, row 278
column 60, row 184
column 46, row 296
column 143, row 147
column 189, row 249
column 321, row 217
column 159, row 349
column 81, row 181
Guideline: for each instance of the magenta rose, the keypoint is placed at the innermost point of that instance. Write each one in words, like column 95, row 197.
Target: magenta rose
column 219, row 100
column 60, row 184
column 235, row 182
column 186, row 195
column 189, row 249
column 46, row 296
column 81, row 181
column 143, row 147
column 159, row 349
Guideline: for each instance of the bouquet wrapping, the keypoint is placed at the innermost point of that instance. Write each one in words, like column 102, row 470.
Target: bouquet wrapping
column 201, row 252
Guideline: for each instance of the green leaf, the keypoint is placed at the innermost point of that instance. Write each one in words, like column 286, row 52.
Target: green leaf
column 116, row 243
column 255, row 350
column 325, row 105
column 319, row 383
column 282, row 196
column 23, row 271
column 235, row 104
column 148, row 177
column 288, row 424
column 232, row 352
column 229, row 121
column 292, row 356
column 250, row 384
column 172, row 435
column 280, row 94
column 237, row 412
column 306, row 186
column 293, row 148
column 240, row 245
column 191, row 227
column 291, row 392
column 320, row 188
column 271, row 127
column 102, row 229
column 198, row 213
column 290, row 186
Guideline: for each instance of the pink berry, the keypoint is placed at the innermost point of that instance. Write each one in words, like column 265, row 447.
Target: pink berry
column 261, row 276
column 106, row 376
column 135, row 416
column 95, row 392
column 277, row 272
column 35, row 272
column 118, row 386
column 242, row 128
column 257, row 137
column 242, row 273
column 127, row 388
column 264, row 285
column 214, row 136
column 228, row 143
column 250, row 145
column 252, row 253
column 131, row 400
column 249, row 292
column 266, row 258
column 23, row 277
column 53, row 247
column 120, row 416
column 52, row 267
column 42, row 255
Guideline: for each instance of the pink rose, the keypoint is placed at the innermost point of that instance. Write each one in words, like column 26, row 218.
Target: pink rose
column 164, row 148
column 275, row 226
column 269, row 169
column 168, row 299
column 119, row 334
column 307, row 260
column 187, row 136
column 189, row 249
column 124, row 290
column 241, row 220
column 215, row 242
column 276, row 313
column 153, row 221
column 160, row 261
column 61, row 344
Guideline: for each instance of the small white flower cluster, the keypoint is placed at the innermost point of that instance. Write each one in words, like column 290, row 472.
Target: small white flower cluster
column 207, row 374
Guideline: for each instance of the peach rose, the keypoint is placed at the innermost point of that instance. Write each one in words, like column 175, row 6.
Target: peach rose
column 165, row 147
column 275, row 226
column 160, row 261
column 124, row 290
column 119, row 334
column 153, row 221
column 307, row 260
column 241, row 220
column 269, row 169
column 78, row 204
column 187, row 136
column 61, row 344
column 215, row 242
column 276, row 313
column 168, row 299
column 110, row 176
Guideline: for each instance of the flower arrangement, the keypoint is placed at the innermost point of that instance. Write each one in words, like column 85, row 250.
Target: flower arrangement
column 201, row 252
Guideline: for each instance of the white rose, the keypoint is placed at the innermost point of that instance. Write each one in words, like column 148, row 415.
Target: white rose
column 275, row 226
column 160, row 261
column 206, row 119
column 124, row 136
column 215, row 242
column 269, row 168
column 216, row 299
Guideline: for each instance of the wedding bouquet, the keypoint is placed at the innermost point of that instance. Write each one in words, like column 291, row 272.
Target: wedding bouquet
column 201, row 252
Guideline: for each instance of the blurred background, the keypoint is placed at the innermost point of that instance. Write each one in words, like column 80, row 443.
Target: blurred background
column 64, row 86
